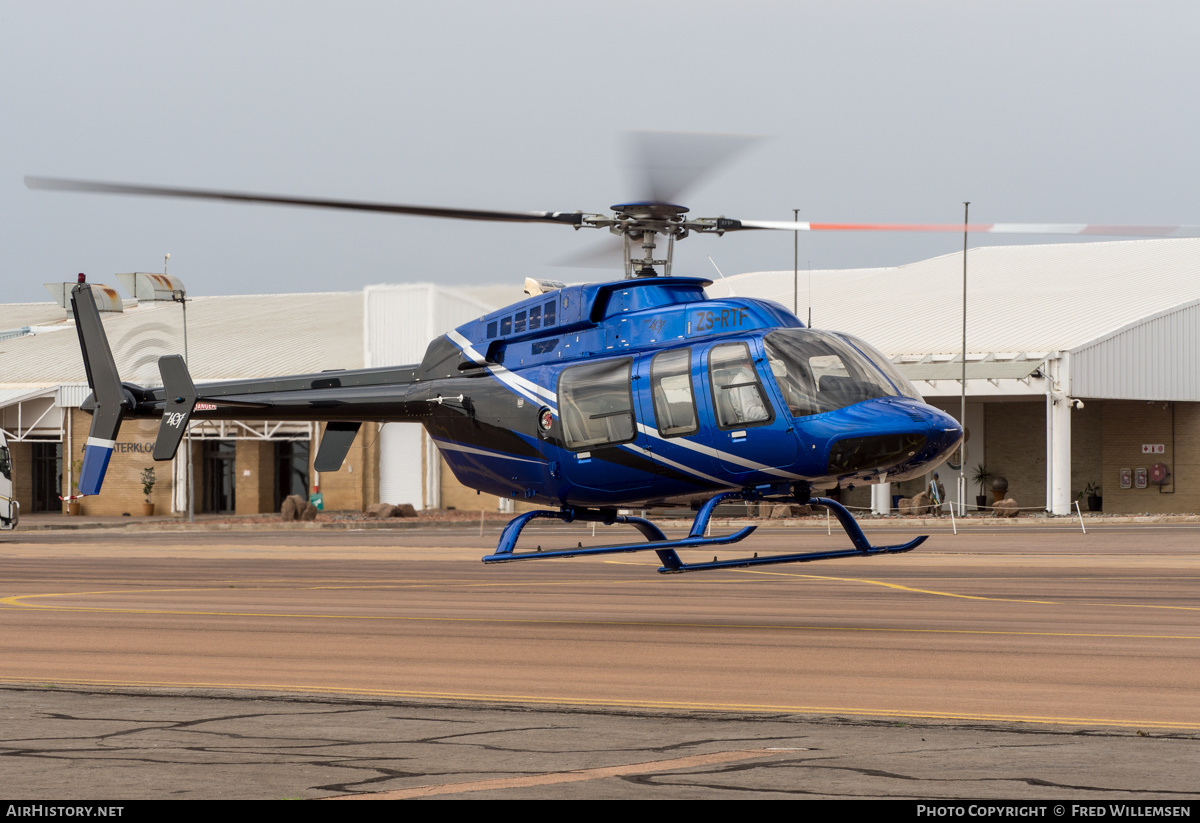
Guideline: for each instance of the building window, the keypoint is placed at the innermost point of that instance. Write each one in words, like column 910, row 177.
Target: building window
column 47, row 477
column 219, row 474
column 291, row 470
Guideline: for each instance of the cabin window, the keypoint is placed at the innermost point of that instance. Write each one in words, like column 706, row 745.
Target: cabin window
column 879, row 360
column 738, row 394
column 671, row 385
column 535, row 318
column 491, row 329
column 519, row 322
column 549, row 314
column 819, row 372
column 505, row 326
column 595, row 402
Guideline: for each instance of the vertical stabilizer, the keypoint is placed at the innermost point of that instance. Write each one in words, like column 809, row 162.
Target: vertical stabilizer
column 106, row 389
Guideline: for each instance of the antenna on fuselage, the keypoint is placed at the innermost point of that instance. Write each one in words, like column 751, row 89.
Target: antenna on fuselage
column 726, row 282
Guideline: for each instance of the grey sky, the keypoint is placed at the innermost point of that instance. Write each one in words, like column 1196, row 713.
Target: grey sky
column 876, row 111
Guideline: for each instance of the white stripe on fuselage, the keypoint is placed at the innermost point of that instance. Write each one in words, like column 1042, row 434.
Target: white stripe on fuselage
column 539, row 394
column 679, row 466
column 711, row 452
column 458, row 447
column 516, row 382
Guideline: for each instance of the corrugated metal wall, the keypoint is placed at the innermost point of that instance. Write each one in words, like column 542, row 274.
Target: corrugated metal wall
column 400, row 321
column 1154, row 358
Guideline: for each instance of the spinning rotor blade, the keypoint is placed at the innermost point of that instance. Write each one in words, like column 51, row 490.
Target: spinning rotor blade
column 667, row 163
column 59, row 184
column 1092, row 229
column 606, row 254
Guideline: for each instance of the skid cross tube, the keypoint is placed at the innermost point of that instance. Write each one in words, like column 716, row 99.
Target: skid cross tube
column 666, row 549
column 862, row 546
column 656, row 540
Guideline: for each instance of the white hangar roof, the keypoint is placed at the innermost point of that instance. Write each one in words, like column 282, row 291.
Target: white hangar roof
column 1041, row 298
column 228, row 337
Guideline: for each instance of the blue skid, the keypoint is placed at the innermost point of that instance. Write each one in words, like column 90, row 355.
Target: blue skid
column 665, row 549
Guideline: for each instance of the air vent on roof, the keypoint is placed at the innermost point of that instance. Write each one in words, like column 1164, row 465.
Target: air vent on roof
column 150, row 287
column 107, row 298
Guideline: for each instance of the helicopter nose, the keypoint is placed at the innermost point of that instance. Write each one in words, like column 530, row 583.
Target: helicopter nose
column 943, row 433
column 898, row 437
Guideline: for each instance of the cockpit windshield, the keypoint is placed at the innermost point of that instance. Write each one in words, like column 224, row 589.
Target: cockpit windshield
column 819, row 372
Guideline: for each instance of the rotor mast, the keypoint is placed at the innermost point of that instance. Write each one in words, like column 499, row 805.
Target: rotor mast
column 635, row 222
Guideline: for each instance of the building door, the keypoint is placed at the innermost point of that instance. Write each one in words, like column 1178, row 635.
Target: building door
column 47, row 477
column 291, row 470
column 219, row 476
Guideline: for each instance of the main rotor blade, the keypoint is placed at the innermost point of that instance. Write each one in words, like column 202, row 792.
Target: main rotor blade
column 666, row 163
column 90, row 186
column 607, row 253
column 1093, row 229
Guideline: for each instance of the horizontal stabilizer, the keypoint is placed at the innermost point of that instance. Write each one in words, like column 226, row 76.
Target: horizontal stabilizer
column 180, row 395
column 335, row 445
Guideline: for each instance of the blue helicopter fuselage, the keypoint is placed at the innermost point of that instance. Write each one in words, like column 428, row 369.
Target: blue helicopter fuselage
column 647, row 391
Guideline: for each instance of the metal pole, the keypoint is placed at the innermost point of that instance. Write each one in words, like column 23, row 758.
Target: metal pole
column 180, row 296
column 962, row 454
column 796, row 265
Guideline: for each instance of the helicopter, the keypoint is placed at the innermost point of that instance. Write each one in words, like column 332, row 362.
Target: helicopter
column 598, row 397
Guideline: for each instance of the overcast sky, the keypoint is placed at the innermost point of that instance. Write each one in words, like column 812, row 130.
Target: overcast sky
column 874, row 111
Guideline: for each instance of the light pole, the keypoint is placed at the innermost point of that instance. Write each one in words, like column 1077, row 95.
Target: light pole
column 962, row 450
column 180, row 296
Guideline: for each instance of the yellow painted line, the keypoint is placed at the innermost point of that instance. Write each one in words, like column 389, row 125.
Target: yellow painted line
column 15, row 602
column 896, row 586
column 612, row 703
column 900, row 587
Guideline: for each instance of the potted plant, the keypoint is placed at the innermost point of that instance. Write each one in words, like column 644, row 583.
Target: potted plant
column 148, row 481
column 980, row 476
column 73, row 507
column 1092, row 492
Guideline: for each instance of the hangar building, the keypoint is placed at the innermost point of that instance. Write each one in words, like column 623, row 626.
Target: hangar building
column 1081, row 369
column 1081, row 361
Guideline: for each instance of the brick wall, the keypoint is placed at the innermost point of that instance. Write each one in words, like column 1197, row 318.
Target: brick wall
column 122, row 492
column 355, row 486
column 22, row 475
column 1015, row 448
column 1128, row 424
column 255, row 473
column 1087, row 447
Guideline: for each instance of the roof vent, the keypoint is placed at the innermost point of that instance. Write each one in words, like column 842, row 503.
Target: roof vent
column 107, row 298
column 149, row 287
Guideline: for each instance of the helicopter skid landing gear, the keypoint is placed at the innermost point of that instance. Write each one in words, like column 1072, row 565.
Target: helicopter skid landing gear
column 665, row 549
column 657, row 540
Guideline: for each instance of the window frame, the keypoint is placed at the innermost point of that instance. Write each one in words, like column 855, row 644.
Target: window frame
column 566, row 401
column 758, row 384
